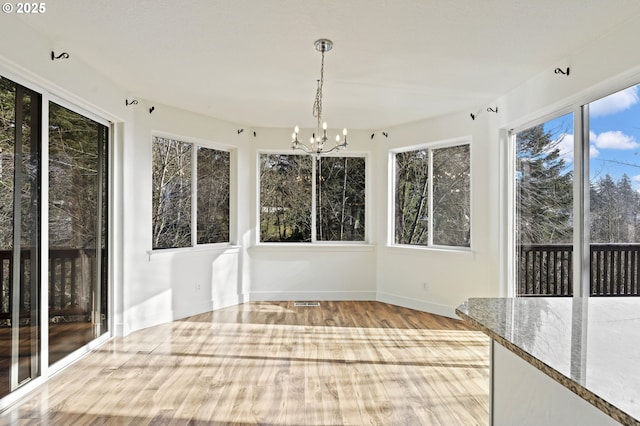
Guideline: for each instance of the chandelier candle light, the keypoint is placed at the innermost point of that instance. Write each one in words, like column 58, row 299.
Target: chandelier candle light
column 317, row 140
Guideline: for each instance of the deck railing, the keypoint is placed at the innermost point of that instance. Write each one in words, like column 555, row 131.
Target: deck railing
column 543, row 270
column 71, row 275
column 547, row 270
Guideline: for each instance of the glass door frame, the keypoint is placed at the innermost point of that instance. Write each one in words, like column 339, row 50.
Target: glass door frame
column 579, row 106
column 75, row 355
column 580, row 283
column 46, row 370
column 16, row 284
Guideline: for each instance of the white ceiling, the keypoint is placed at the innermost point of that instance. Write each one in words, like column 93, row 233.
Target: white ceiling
column 394, row 61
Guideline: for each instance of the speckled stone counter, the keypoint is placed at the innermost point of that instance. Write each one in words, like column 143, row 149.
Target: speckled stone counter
column 590, row 346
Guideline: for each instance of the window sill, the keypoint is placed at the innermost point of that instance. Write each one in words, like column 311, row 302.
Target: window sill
column 205, row 248
column 420, row 250
column 313, row 247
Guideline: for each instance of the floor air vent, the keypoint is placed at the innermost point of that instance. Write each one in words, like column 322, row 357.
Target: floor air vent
column 306, row 304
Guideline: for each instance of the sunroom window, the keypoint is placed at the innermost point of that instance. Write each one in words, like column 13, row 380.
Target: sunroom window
column 307, row 200
column 432, row 196
column 174, row 165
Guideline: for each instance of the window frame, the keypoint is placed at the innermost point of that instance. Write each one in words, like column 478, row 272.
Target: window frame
column 314, row 242
column 391, row 202
column 510, row 168
column 80, row 106
column 195, row 144
column 579, row 106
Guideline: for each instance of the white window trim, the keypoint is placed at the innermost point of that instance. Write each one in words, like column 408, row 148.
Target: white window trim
column 233, row 198
column 391, row 167
column 509, row 276
column 314, row 242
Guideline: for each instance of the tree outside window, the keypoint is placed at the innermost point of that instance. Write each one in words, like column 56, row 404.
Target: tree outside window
column 172, row 200
column 432, row 195
column 287, row 211
column 340, row 195
column 213, row 195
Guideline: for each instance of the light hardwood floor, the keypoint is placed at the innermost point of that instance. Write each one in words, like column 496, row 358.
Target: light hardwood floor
column 272, row 363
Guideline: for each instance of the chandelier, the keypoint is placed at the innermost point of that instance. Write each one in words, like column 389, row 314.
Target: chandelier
column 318, row 139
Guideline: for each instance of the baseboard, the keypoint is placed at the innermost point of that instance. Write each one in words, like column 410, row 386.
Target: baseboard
column 196, row 309
column 265, row 296
column 419, row 305
column 235, row 299
column 118, row 330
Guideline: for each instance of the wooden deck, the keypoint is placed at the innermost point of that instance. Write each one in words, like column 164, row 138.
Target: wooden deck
column 277, row 364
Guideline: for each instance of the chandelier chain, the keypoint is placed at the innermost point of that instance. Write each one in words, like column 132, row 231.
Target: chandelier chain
column 317, row 105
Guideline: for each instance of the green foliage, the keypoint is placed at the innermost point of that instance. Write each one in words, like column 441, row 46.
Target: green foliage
column 285, row 198
column 340, row 199
column 615, row 211
column 286, row 195
column 544, row 189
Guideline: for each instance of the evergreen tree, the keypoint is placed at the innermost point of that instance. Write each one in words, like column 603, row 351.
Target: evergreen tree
column 614, row 208
column 543, row 189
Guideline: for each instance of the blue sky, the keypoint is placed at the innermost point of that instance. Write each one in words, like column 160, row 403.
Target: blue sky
column 614, row 136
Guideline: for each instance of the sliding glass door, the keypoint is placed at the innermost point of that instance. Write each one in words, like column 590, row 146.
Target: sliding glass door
column 20, row 147
column 77, row 230
column 614, row 197
column 75, row 283
column 577, row 205
column 544, row 185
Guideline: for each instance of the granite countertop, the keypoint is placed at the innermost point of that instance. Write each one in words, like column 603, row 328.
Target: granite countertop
column 589, row 345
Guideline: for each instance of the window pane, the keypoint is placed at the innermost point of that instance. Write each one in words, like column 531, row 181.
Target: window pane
column 544, row 207
column 614, row 142
column 411, row 197
column 451, row 196
column 171, row 193
column 213, row 195
column 285, row 198
column 20, row 148
column 77, row 231
column 340, row 186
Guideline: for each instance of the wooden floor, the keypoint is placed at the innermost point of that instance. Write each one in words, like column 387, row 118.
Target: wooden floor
column 272, row 363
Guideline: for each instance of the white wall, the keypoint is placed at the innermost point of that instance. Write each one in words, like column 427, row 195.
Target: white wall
column 150, row 288
column 450, row 276
column 163, row 285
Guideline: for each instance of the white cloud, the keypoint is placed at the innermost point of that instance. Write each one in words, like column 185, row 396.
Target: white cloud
column 635, row 178
column 566, row 148
column 593, row 151
column 613, row 139
column 614, row 103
